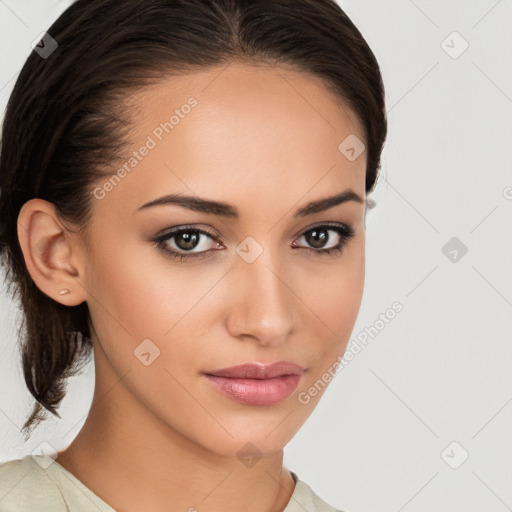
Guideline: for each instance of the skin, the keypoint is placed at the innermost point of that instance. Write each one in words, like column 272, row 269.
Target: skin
column 265, row 140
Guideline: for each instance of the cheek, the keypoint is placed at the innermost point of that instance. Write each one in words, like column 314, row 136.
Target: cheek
column 334, row 299
column 138, row 294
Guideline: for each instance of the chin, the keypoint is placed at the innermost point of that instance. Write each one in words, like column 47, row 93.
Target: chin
column 253, row 437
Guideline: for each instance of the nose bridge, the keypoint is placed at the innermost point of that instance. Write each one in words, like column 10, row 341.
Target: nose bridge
column 263, row 304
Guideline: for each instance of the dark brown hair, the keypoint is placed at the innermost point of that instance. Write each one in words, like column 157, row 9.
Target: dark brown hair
column 64, row 121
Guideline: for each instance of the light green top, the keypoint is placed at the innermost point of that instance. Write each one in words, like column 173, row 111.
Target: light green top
column 38, row 483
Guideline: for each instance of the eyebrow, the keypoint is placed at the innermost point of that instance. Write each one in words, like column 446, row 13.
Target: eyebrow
column 226, row 210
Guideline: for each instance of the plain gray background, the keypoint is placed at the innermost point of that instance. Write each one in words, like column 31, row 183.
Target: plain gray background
column 434, row 385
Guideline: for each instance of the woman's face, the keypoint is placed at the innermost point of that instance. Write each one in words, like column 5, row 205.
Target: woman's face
column 256, row 283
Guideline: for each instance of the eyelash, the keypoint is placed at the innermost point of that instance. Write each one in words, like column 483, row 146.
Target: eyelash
column 345, row 231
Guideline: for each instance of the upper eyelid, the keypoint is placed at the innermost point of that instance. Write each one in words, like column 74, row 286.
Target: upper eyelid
column 171, row 232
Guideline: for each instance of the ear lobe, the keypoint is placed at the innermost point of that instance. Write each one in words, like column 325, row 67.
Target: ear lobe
column 50, row 253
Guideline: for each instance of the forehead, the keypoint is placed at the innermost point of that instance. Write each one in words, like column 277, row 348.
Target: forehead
column 236, row 92
column 238, row 130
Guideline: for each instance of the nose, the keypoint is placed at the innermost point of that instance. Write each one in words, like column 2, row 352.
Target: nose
column 262, row 306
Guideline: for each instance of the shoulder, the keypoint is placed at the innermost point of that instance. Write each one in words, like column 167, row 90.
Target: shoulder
column 305, row 498
column 39, row 483
column 25, row 486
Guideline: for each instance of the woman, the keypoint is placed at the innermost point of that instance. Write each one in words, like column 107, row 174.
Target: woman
column 183, row 194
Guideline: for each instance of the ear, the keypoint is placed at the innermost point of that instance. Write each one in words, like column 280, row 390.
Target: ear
column 51, row 252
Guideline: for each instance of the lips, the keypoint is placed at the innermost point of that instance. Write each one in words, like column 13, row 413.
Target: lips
column 259, row 371
column 256, row 384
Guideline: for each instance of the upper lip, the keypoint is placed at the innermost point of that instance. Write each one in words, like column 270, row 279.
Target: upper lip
column 258, row 370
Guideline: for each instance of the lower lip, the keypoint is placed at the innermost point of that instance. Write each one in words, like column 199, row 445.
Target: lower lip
column 256, row 391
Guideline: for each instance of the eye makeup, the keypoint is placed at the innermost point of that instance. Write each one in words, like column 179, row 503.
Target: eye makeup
column 189, row 234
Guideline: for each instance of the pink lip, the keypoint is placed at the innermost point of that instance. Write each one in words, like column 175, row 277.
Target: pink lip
column 257, row 384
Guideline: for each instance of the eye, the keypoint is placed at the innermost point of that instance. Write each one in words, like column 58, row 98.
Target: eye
column 318, row 237
column 186, row 239
column 190, row 242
